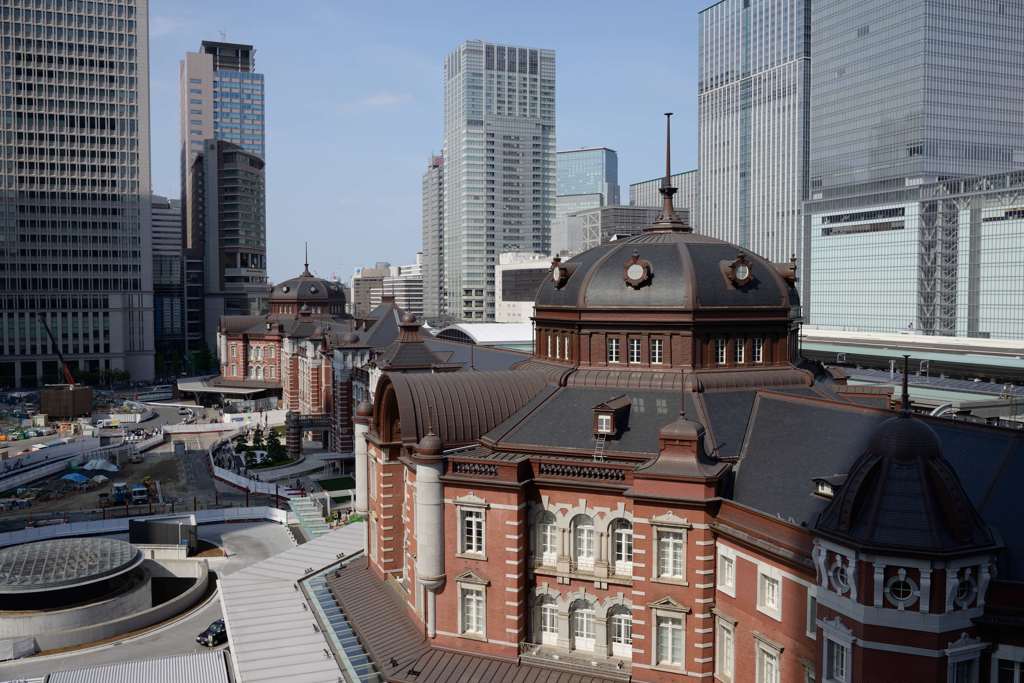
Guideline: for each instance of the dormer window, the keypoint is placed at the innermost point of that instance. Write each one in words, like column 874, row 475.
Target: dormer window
column 611, row 416
column 824, row 489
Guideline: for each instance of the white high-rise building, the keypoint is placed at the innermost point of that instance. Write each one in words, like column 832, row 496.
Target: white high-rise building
column 75, row 216
column 499, row 166
column 754, row 125
column 405, row 285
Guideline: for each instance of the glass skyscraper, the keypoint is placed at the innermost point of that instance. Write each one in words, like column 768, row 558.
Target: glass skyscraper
column 906, row 98
column 222, row 101
column 589, row 171
column 499, row 166
column 75, row 216
column 648, row 193
column 753, row 110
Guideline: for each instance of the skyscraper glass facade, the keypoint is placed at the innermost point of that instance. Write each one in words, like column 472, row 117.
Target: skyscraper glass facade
column 647, row 193
column 913, row 91
column 753, row 109
column 499, row 166
column 906, row 98
column 589, row 171
column 75, row 217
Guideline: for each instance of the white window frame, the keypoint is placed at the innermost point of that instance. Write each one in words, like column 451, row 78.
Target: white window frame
column 371, row 479
column 465, row 629
column 612, row 350
column 634, row 351
column 726, row 571
column 565, row 348
column 468, row 545
column 550, row 345
column 657, row 351
column 583, row 562
column 659, row 548
column 549, row 619
column 739, row 349
column 558, row 346
column 968, row 651
column 757, row 350
column 725, row 650
column 765, row 576
column 622, row 540
column 585, row 642
column 548, row 555
column 721, row 346
column 836, row 652
column 762, row 653
column 620, row 629
column 604, row 424
column 669, row 618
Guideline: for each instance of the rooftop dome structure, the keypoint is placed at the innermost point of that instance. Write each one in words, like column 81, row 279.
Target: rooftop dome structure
column 902, row 496
column 322, row 297
column 669, row 299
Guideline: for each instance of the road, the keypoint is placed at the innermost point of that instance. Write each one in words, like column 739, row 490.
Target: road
column 245, row 544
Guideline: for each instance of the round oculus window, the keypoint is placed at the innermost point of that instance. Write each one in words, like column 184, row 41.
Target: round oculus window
column 556, row 275
column 635, row 272
column 901, row 591
column 742, row 272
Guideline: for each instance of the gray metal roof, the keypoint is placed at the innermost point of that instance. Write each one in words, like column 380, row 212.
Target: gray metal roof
column 195, row 667
column 63, row 563
column 274, row 635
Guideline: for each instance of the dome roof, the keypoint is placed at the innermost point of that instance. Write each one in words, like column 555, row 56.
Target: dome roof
column 903, row 497
column 307, row 288
column 662, row 269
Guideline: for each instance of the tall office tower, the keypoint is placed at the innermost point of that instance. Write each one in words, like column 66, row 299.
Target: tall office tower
column 753, row 111
column 499, row 166
column 222, row 99
column 433, row 239
column 75, row 233
column 907, row 96
column 687, row 198
column 586, row 179
column 168, row 285
column 226, row 237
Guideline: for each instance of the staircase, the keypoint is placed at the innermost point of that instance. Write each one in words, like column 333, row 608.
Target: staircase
column 310, row 518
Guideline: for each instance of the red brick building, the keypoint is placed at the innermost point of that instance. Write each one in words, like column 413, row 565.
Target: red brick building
column 666, row 492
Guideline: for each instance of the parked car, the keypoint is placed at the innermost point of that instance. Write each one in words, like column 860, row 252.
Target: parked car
column 214, row 635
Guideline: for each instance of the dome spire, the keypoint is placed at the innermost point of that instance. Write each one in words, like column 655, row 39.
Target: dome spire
column 668, row 220
column 305, row 270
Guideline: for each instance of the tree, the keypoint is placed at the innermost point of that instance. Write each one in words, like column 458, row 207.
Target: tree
column 257, row 439
column 274, row 448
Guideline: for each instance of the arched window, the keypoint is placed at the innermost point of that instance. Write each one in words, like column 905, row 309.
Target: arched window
column 547, row 539
column 620, row 632
column 622, row 547
column 548, row 621
column 583, row 542
column 581, row 619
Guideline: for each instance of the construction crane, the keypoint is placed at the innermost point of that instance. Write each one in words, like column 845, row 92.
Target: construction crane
column 68, row 378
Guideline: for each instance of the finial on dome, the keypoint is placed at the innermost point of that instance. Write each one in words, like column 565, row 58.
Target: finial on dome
column 905, row 402
column 305, row 270
column 668, row 220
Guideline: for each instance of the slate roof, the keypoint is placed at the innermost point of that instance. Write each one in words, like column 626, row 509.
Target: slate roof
column 481, row 357
column 792, row 440
column 403, row 654
column 687, row 274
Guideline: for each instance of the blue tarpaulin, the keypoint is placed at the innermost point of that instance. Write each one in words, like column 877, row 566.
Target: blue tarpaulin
column 76, row 478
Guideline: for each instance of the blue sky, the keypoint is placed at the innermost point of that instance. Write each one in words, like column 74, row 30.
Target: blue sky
column 354, row 102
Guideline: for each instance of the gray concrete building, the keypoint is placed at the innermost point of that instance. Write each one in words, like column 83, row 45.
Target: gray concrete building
column 222, row 100
column 499, row 166
column 364, row 280
column 917, row 146
column 75, row 223
column 687, row 198
column 433, row 238
column 591, row 227
column 168, row 284
column 753, row 124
